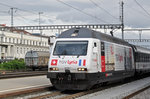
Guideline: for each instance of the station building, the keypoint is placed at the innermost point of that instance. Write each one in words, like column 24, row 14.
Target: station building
column 15, row 44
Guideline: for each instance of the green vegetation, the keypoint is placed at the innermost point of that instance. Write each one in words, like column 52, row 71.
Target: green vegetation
column 17, row 64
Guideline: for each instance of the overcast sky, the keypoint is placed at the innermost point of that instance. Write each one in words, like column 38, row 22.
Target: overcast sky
column 136, row 12
column 54, row 12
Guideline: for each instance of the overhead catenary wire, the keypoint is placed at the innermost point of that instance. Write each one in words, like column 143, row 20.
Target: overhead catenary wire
column 3, row 12
column 138, row 11
column 5, row 5
column 28, row 11
column 142, row 7
column 25, row 18
column 35, row 13
column 22, row 20
column 17, row 8
column 81, row 11
column 103, row 9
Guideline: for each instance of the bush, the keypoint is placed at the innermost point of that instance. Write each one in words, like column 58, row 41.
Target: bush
column 16, row 64
column 1, row 66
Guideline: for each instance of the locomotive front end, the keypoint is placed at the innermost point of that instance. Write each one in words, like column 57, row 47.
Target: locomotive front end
column 69, row 64
column 82, row 58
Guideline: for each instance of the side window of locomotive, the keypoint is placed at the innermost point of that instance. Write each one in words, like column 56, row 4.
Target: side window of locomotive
column 102, row 45
column 95, row 50
column 102, row 49
column 95, row 45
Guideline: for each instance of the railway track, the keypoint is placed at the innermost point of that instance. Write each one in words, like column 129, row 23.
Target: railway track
column 72, row 94
column 53, row 94
column 136, row 93
column 27, row 91
column 44, row 92
column 4, row 75
column 48, row 92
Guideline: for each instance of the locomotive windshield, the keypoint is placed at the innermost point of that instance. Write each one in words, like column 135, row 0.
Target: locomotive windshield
column 71, row 48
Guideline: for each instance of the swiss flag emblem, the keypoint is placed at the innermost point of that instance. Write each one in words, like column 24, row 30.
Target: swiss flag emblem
column 54, row 62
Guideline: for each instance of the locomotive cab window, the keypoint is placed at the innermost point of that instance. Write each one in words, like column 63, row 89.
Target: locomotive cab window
column 71, row 48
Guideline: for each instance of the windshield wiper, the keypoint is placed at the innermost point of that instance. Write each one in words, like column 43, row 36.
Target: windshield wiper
column 78, row 56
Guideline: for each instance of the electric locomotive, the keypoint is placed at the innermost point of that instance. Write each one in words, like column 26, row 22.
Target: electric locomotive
column 82, row 58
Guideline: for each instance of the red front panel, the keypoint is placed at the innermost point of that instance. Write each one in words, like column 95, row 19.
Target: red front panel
column 103, row 63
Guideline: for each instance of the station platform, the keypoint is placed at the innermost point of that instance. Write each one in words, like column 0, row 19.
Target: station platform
column 14, row 84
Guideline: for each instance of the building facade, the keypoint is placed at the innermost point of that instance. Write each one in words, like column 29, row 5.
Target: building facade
column 15, row 44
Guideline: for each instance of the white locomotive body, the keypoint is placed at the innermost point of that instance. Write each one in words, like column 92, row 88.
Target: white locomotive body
column 82, row 58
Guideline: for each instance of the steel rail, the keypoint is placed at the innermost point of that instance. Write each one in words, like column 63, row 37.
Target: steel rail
column 25, row 91
column 136, row 93
column 47, row 95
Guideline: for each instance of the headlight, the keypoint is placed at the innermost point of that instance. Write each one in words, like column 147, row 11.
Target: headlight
column 82, row 69
column 54, row 69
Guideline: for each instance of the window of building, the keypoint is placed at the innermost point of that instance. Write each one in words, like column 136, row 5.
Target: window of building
column 9, row 40
column 46, row 43
column 38, row 43
column 30, row 42
column 13, row 40
column 5, row 50
column 24, row 50
column 21, row 50
column 27, row 42
column 17, row 41
column 23, row 41
column 33, row 42
column 17, row 50
column 5, row 39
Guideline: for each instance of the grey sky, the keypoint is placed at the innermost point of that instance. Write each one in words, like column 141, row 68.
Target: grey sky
column 55, row 12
